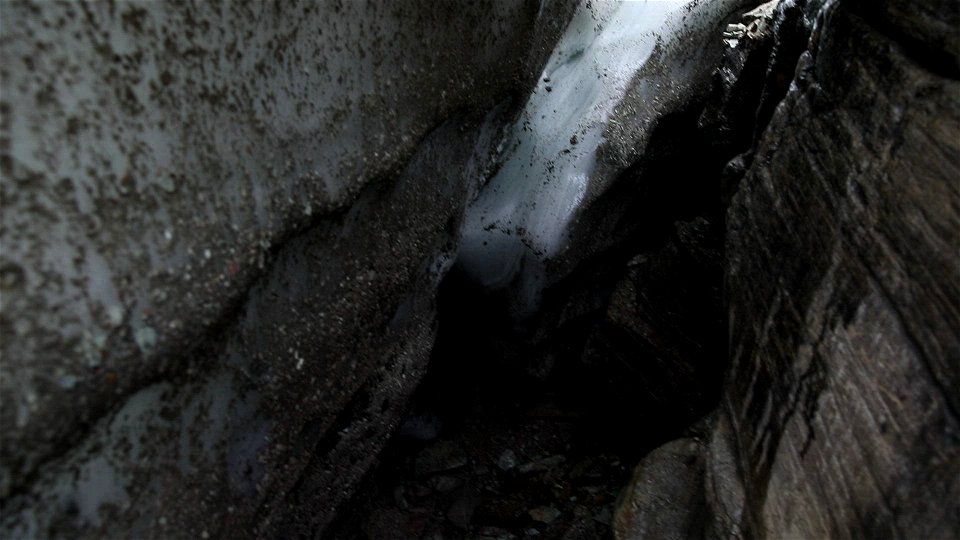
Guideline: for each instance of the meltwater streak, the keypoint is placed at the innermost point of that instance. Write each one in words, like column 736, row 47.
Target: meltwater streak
column 521, row 215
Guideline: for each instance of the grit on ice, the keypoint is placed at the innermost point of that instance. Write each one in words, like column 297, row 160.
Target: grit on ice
column 549, row 155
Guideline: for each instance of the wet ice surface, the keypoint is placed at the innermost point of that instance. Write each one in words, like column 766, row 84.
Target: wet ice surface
column 521, row 216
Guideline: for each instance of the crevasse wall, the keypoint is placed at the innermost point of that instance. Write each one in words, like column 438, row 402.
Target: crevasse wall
column 186, row 308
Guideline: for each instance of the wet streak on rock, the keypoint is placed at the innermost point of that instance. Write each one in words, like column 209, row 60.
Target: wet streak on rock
column 841, row 277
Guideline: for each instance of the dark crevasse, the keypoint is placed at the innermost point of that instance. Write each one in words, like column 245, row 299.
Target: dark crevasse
column 529, row 425
column 502, row 441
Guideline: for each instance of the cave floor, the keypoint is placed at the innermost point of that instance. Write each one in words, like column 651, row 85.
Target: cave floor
column 479, row 459
column 530, row 472
column 508, row 439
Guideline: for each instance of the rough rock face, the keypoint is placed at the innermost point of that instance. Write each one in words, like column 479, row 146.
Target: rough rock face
column 223, row 227
column 843, row 283
column 665, row 497
column 660, row 342
column 839, row 415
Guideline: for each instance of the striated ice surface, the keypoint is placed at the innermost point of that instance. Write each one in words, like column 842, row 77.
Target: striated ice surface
column 521, row 216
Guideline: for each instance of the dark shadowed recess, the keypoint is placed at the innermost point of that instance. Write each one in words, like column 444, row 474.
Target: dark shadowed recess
column 531, row 427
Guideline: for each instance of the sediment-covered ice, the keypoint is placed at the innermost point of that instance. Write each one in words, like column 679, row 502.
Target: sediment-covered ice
column 521, row 215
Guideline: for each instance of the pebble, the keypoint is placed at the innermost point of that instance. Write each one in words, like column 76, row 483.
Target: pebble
column 604, row 517
column 542, row 464
column 507, row 461
column 440, row 457
column 446, row 483
column 461, row 511
column 544, row 514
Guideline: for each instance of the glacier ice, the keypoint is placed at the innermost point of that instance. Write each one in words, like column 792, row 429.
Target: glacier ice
column 521, row 215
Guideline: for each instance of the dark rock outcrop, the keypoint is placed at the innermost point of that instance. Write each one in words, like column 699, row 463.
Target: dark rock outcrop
column 665, row 497
column 843, row 285
column 659, row 346
column 839, row 411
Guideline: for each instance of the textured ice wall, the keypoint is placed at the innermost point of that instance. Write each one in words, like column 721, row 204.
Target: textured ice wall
column 521, row 216
column 152, row 155
column 158, row 162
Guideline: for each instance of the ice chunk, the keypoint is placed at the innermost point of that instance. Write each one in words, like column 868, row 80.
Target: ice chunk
column 521, row 215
